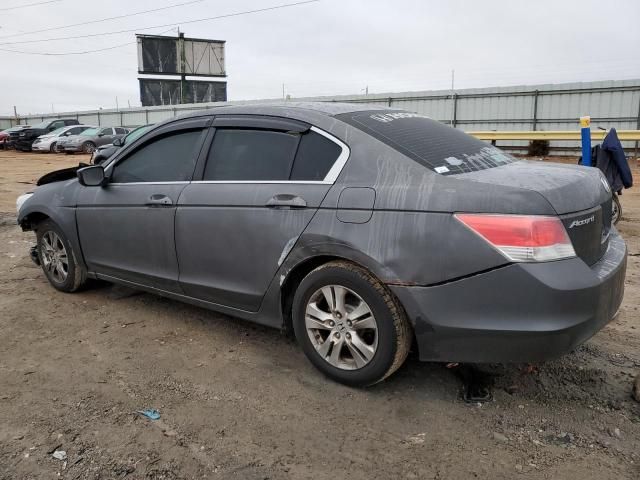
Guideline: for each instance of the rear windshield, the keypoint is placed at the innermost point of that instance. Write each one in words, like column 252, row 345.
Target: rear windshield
column 440, row 148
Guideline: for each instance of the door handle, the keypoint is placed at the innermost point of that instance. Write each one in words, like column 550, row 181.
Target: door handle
column 159, row 200
column 286, row 200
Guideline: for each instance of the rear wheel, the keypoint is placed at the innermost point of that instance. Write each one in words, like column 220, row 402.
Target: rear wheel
column 616, row 209
column 88, row 147
column 349, row 324
column 57, row 258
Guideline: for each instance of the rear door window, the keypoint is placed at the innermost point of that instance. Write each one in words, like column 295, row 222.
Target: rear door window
column 250, row 155
column 440, row 148
column 266, row 155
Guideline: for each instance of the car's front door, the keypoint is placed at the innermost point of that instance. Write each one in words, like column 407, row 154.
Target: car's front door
column 126, row 228
column 105, row 136
column 263, row 181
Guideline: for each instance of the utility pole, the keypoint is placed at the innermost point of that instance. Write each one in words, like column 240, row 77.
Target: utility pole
column 117, row 106
column 183, row 69
column 453, row 107
column 15, row 114
column 283, row 96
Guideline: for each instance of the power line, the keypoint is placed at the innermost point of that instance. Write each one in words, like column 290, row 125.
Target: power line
column 103, row 19
column 228, row 15
column 84, row 52
column 28, row 5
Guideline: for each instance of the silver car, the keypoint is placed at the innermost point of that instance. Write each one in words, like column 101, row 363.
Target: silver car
column 49, row 142
column 90, row 139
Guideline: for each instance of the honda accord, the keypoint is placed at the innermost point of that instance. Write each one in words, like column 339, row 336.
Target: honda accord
column 364, row 230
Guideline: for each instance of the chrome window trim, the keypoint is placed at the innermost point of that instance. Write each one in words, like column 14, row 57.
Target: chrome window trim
column 329, row 179
column 183, row 182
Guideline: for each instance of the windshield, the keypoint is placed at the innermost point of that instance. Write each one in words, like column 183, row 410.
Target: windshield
column 90, row 132
column 137, row 133
column 42, row 125
column 432, row 144
column 58, row 131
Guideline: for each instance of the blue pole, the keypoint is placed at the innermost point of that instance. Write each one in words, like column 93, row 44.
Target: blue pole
column 585, row 134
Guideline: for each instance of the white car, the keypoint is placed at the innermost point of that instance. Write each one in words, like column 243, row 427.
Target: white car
column 48, row 142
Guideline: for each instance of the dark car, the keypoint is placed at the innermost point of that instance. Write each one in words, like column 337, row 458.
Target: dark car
column 364, row 229
column 103, row 152
column 23, row 139
column 5, row 135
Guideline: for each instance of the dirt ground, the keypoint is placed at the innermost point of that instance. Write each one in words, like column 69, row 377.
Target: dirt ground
column 238, row 401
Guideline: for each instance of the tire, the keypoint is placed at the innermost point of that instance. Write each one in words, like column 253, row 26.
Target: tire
column 52, row 240
column 366, row 355
column 616, row 208
column 52, row 148
column 88, row 147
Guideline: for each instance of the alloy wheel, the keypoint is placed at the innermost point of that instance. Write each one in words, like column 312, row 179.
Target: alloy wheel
column 54, row 256
column 341, row 327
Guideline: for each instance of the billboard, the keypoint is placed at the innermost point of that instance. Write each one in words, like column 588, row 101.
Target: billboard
column 161, row 55
column 154, row 92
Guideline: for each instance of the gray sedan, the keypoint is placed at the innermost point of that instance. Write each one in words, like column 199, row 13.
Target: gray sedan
column 364, row 230
column 90, row 139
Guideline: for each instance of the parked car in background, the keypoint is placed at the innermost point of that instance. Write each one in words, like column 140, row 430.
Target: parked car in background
column 90, row 139
column 5, row 135
column 25, row 138
column 49, row 142
column 364, row 229
column 103, row 152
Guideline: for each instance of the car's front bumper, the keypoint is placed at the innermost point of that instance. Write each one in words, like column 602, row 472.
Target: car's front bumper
column 41, row 146
column 523, row 312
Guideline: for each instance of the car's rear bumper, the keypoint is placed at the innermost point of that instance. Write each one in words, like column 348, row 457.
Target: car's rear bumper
column 517, row 313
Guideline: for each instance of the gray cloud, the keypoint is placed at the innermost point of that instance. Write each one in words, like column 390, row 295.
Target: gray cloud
column 330, row 47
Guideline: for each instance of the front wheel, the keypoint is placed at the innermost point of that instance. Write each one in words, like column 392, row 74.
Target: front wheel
column 616, row 209
column 58, row 259
column 349, row 324
column 52, row 148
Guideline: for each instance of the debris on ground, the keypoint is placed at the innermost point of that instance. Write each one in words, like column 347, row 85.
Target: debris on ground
column 60, row 455
column 636, row 389
column 150, row 413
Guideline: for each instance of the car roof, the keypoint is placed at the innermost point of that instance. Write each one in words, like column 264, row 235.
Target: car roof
column 280, row 108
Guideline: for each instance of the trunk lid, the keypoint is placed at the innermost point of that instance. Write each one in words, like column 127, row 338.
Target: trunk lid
column 577, row 194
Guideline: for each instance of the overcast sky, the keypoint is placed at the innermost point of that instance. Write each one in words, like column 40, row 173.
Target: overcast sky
column 325, row 48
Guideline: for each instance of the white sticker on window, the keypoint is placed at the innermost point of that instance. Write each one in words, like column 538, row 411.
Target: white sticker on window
column 441, row 169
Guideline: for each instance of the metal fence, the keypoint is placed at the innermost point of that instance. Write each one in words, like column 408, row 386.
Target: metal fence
column 540, row 107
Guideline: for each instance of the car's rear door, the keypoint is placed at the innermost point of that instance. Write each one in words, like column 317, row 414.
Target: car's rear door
column 126, row 228
column 262, row 182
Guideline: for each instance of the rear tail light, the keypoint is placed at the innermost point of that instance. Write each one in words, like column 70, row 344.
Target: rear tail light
column 522, row 238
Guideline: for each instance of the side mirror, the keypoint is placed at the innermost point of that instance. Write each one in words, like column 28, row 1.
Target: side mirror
column 92, row 176
column 118, row 142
